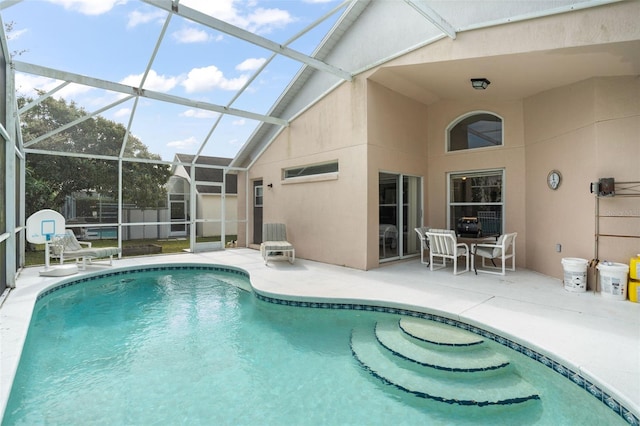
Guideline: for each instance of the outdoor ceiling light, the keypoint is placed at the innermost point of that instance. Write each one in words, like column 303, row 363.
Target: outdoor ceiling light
column 480, row 83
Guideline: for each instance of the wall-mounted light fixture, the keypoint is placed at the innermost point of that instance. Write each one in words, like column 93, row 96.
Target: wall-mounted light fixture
column 480, row 83
column 270, row 185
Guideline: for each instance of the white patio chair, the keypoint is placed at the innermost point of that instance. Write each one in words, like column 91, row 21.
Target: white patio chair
column 443, row 244
column 66, row 246
column 503, row 249
column 424, row 242
column 275, row 244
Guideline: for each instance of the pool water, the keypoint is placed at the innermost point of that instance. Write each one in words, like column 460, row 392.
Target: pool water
column 188, row 347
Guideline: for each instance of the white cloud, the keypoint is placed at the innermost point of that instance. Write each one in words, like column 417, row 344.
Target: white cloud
column 199, row 113
column 191, row 35
column 89, row 7
column 137, row 18
column 154, row 81
column 208, row 78
column 122, row 112
column 27, row 84
column 258, row 20
column 184, row 143
column 239, row 122
column 250, row 64
column 221, row 9
column 265, row 20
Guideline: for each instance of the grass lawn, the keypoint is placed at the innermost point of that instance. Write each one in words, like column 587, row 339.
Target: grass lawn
column 168, row 246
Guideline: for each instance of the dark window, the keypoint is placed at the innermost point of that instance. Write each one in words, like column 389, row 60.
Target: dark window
column 476, row 131
column 315, row 169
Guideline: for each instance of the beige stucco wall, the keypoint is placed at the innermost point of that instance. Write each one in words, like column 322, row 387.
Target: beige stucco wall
column 587, row 131
column 326, row 220
column 397, row 143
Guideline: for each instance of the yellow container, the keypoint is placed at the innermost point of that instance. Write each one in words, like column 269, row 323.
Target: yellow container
column 634, row 290
column 634, row 268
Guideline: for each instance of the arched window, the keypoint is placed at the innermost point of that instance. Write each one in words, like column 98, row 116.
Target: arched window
column 478, row 130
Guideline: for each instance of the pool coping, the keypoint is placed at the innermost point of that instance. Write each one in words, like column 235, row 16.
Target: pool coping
column 610, row 397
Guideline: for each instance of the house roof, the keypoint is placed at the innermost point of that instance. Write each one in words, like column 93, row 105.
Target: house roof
column 208, row 174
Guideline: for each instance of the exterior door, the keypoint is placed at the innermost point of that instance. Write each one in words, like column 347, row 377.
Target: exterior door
column 258, row 197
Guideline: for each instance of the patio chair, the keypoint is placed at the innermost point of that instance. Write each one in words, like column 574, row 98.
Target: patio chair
column 424, row 242
column 443, row 244
column 503, row 249
column 275, row 244
column 66, row 246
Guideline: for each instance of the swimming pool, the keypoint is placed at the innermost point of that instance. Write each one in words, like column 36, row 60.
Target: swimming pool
column 180, row 344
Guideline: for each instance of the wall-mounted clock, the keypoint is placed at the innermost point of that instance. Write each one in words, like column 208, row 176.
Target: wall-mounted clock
column 553, row 179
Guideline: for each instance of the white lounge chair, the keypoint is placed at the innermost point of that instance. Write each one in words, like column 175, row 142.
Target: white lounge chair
column 275, row 244
column 424, row 242
column 503, row 249
column 443, row 244
column 66, row 246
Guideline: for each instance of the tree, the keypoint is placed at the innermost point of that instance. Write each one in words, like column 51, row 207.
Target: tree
column 52, row 178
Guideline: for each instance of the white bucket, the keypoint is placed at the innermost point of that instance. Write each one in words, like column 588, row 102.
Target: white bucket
column 575, row 274
column 613, row 279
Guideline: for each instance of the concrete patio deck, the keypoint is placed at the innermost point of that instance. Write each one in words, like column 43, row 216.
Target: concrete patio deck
column 593, row 335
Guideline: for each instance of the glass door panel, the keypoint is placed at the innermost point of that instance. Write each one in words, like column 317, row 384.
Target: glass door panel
column 400, row 211
column 411, row 214
column 388, row 215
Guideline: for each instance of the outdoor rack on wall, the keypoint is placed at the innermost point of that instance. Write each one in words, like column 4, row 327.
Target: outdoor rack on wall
column 607, row 188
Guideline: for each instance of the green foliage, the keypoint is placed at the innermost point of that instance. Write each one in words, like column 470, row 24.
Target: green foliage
column 51, row 178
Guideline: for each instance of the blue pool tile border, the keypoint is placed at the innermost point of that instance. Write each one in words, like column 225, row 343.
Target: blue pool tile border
column 575, row 377
column 80, row 280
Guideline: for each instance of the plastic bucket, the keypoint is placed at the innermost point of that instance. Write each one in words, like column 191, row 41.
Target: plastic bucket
column 613, row 280
column 575, row 274
column 634, row 268
column 634, row 290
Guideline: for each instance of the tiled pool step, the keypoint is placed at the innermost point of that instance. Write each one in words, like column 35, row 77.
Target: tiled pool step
column 461, row 359
column 463, row 388
column 437, row 333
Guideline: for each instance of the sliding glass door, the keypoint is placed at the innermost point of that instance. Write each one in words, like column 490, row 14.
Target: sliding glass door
column 400, row 211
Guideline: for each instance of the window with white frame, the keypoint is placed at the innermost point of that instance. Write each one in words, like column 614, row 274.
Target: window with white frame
column 477, row 130
column 477, row 194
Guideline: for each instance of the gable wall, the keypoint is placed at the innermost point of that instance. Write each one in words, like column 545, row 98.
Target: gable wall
column 324, row 219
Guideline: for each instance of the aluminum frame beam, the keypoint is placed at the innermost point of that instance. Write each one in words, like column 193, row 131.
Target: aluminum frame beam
column 136, row 91
column 218, row 25
column 432, row 16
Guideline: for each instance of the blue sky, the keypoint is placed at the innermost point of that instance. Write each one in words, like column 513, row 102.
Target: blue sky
column 114, row 40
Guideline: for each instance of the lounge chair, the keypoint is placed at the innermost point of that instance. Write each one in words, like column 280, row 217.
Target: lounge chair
column 275, row 244
column 424, row 242
column 503, row 249
column 444, row 244
column 66, row 246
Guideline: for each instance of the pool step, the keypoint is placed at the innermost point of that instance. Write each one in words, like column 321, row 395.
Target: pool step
column 480, row 359
column 464, row 387
column 438, row 334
